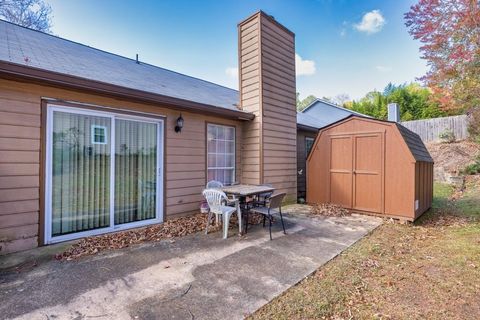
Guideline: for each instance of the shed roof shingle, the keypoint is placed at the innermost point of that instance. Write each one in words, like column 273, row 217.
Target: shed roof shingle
column 415, row 144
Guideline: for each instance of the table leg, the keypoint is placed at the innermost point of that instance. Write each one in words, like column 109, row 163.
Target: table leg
column 243, row 210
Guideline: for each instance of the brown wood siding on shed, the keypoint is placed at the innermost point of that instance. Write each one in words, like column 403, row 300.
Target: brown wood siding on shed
column 423, row 186
column 404, row 179
column 20, row 143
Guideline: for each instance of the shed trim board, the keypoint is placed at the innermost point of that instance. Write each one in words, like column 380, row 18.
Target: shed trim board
column 159, row 173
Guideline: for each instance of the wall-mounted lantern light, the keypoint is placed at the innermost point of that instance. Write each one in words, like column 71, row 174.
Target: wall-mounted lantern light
column 179, row 126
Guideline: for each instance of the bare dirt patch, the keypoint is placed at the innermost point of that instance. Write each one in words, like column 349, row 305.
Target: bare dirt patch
column 451, row 158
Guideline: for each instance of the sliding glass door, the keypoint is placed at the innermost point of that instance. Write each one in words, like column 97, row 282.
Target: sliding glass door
column 135, row 171
column 104, row 172
column 80, row 174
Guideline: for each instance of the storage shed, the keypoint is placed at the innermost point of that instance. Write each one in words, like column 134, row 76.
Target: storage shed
column 371, row 166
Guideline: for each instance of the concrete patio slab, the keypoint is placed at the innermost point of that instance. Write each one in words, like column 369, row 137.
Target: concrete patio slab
column 194, row 277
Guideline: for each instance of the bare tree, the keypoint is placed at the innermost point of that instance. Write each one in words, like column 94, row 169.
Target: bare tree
column 341, row 98
column 34, row 14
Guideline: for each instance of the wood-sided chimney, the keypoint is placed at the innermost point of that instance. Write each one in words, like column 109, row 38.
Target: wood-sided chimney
column 268, row 89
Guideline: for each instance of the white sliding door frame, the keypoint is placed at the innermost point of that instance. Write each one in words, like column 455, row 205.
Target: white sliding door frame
column 159, row 214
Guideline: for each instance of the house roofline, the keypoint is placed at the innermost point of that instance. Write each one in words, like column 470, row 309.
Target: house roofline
column 32, row 74
column 333, row 105
column 116, row 54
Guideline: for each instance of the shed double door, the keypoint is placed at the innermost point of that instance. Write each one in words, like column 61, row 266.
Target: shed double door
column 356, row 171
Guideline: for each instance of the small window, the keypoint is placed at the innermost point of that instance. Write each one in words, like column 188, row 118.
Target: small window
column 308, row 145
column 99, row 134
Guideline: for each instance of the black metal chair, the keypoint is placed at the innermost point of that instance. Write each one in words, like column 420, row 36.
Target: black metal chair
column 262, row 198
column 273, row 206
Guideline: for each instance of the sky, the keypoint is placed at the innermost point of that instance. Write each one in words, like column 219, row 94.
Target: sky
column 342, row 46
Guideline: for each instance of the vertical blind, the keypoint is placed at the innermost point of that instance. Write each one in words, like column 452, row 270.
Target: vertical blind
column 80, row 174
column 135, row 170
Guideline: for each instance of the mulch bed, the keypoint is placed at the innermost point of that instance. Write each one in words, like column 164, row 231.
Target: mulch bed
column 170, row 229
column 329, row 210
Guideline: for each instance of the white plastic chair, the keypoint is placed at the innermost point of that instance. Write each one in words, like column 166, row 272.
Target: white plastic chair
column 213, row 184
column 218, row 202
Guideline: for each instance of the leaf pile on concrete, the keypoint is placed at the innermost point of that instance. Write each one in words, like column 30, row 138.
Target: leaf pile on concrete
column 170, row 229
column 329, row 210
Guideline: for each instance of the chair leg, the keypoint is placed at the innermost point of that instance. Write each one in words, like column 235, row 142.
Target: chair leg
column 226, row 221
column 209, row 217
column 270, row 226
column 246, row 221
column 264, row 216
column 281, row 218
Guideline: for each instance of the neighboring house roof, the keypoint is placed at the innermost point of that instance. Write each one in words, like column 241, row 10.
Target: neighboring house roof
column 321, row 113
column 308, row 122
column 33, row 49
column 415, row 144
column 312, row 106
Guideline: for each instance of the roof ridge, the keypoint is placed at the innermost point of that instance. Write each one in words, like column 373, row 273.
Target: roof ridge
column 332, row 104
column 115, row 54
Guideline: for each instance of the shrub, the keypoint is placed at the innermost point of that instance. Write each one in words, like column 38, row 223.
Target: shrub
column 473, row 168
column 447, row 136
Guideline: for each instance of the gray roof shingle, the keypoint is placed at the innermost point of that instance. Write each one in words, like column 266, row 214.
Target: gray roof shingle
column 310, row 121
column 36, row 49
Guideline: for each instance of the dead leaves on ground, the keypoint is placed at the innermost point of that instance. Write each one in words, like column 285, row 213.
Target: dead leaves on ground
column 170, row 229
column 329, row 210
column 445, row 220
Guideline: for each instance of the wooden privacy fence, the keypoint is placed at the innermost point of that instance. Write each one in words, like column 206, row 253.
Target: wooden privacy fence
column 431, row 129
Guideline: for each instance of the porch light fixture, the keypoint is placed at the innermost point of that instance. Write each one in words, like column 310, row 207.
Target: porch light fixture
column 179, row 126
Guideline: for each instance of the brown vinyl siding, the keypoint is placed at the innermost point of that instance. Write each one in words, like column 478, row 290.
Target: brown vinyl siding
column 279, row 107
column 250, row 86
column 267, row 88
column 19, row 170
column 20, row 143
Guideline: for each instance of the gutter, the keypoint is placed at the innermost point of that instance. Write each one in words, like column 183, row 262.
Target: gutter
column 16, row 71
column 306, row 128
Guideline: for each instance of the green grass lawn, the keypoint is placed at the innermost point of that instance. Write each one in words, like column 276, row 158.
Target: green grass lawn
column 426, row 270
